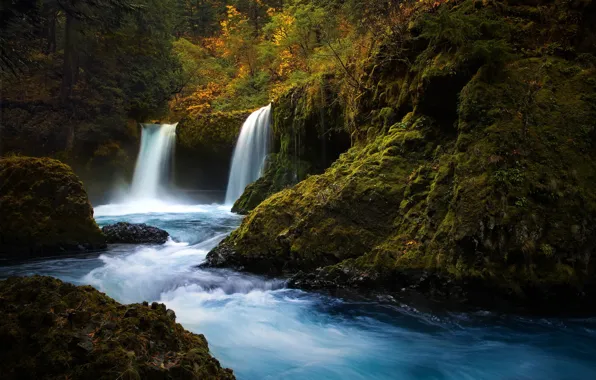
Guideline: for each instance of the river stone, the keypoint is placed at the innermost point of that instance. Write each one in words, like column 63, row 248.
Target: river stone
column 129, row 233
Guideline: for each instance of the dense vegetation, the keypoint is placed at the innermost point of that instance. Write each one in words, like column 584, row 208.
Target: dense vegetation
column 77, row 76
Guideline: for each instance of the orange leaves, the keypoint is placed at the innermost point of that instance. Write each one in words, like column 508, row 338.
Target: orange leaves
column 214, row 45
column 200, row 100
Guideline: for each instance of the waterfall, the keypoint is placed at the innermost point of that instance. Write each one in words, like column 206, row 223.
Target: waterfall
column 153, row 162
column 250, row 152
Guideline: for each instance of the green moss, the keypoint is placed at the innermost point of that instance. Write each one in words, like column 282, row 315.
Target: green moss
column 211, row 133
column 44, row 208
column 308, row 135
column 280, row 174
column 56, row 330
column 486, row 182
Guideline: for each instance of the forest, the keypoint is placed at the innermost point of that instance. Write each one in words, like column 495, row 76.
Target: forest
column 297, row 189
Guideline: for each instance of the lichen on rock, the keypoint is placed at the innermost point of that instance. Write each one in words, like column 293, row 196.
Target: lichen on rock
column 55, row 330
column 44, row 209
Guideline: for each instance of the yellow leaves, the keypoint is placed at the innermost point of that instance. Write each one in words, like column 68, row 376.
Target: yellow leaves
column 199, row 101
column 214, row 45
column 233, row 22
column 285, row 62
column 232, row 11
column 243, row 71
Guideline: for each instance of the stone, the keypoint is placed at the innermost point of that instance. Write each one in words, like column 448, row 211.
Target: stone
column 129, row 233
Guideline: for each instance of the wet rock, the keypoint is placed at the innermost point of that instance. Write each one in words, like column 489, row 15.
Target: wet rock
column 129, row 233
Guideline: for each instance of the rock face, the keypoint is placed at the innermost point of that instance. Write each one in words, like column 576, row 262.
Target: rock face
column 280, row 174
column 44, row 209
column 204, row 147
column 129, row 233
column 54, row 330
column 308, row 136
column 474, row 176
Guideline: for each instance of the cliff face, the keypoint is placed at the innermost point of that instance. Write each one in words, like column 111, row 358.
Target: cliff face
column 204, row 147
column 44, row 209
column 53, row 330
column 472, row 169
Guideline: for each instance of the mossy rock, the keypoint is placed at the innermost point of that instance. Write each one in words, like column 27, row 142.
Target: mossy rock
column 44, row 209
column 212, row 133
column 497, row 198
column 280, row 173
column 308, row 136
column 54, row 330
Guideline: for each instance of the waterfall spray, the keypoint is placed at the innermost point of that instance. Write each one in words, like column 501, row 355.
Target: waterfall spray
column 250, row 153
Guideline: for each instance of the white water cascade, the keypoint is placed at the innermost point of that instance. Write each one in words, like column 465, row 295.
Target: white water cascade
column 153, row 162
column 250, row 152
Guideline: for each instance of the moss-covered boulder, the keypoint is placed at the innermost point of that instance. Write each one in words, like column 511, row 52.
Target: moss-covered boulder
column 44, row 209
column 54, row 330
column 490, row 193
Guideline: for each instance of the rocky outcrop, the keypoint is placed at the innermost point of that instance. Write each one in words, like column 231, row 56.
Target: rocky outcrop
column 129, row 233
column 474, row 176
column 308, row 136
column 204, row 147
column 52, row 330
column 44, row 209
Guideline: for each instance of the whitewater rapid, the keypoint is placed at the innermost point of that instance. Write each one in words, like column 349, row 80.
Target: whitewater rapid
column 262, row 330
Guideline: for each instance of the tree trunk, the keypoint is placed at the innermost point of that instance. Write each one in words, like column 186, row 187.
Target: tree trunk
column 71, row 57
column 51, row 33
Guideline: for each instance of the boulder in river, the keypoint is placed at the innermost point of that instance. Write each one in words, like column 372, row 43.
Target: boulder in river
column 129, row 233
column 44, row 209
column 53, row 330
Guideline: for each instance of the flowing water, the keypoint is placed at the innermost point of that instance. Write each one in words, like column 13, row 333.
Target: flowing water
column 250, row 152
column 264, row 331
column 154, row 161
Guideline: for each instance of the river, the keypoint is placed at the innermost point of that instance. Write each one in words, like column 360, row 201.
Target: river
column 262, row 330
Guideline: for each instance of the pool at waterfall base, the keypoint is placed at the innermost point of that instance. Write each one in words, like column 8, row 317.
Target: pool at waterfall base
column 263, row 330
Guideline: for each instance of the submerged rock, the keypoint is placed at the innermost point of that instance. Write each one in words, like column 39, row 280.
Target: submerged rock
column 44, row 209
column 129, row 233
column 51, row 329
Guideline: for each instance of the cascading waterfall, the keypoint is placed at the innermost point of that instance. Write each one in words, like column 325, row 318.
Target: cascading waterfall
column 250, row 152
column 153, row 162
